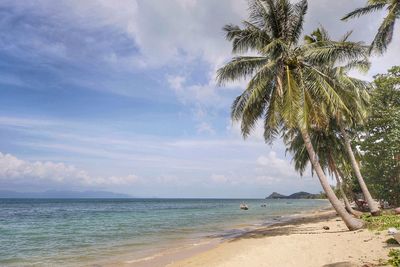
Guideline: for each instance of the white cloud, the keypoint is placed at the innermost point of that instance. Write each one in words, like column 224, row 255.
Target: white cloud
column 183, row 31
column 160, row 164
column 17, row 171
column 271, row 167
column 178, row 34
column 202, row 98
column 201, row 95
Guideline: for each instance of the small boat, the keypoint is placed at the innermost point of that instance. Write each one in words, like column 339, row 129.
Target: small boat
column 244, row 206
column 263, row 205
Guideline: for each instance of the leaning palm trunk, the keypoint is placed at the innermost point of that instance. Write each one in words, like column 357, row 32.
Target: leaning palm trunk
column 347, row 204
column 349, row 208
column 340, row 185
column 373, row 207
column 351, row 222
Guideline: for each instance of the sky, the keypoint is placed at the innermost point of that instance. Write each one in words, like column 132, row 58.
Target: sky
column 121, row 96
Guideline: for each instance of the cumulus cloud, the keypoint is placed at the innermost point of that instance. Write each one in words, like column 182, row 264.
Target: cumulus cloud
column 159, row 32
column 17, row 171
column 268, row 170
column 178, row 44
column 174, row 36
column 161, row 165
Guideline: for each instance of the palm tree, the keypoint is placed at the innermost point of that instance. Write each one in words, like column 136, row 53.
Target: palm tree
column 354, row 93
column 372, row 205
column 329, row 148
column 385, row 32
column 287, row 88
column 339, row 181
column 344, row 173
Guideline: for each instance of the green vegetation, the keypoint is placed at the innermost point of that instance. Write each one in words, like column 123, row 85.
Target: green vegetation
column 298, row 195
column 303, row 91
column 392, row 241
column 380, row 138
column 295, row 87
column 381, row 223
column 394, row 257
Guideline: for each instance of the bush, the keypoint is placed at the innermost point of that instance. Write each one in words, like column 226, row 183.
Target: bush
column 391, row 241
column 394, row 256
column 381, row 223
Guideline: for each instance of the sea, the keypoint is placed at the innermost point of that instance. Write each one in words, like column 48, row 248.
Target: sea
column 87, row 232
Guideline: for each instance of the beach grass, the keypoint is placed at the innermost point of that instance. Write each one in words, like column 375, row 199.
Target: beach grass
column 381, row 223
column 394, row 257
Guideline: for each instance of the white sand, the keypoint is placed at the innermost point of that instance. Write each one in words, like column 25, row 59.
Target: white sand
column 303, row 243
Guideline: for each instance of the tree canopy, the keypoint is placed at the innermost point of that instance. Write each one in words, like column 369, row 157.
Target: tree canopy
column 380, row 142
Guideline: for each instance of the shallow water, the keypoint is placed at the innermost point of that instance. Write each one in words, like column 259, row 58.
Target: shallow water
column 48, row 232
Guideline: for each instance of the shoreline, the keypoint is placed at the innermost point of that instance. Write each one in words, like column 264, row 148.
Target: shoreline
column 298, row 241
column 186, row 250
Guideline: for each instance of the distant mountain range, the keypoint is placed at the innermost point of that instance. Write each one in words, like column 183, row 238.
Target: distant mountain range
column 298, row 195
column 62, row 194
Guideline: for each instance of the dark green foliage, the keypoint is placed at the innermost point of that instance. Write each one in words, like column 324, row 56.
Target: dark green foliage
column 394, row 256
column 392, row 241
column 381, row 142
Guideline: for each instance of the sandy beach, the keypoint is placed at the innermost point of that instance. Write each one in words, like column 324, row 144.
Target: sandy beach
column 302, row 242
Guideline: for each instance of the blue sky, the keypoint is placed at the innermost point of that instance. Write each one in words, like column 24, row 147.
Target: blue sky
column 121, row 96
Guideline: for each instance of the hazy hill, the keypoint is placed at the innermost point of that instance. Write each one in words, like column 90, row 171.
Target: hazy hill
column 61, row 194
column 298, row 195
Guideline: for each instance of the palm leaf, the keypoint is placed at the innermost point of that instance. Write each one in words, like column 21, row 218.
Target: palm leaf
column 364, row 10
column 240, row 68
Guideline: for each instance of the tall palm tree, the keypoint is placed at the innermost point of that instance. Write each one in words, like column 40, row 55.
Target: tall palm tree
column 329, row 148
column 385, row 32
column 287, row 88
column 372, row 205
column 339, row 181
column 355, row 95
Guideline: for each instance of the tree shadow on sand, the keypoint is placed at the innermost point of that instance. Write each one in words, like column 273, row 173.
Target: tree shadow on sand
column 287, row 228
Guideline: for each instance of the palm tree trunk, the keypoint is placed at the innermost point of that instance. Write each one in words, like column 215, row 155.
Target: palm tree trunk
column 351, row 222
column 373, row 207
column 339, row 184
column 349, row 208
column 347, row 205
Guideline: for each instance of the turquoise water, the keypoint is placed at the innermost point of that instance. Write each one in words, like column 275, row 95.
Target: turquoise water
column 54, row 232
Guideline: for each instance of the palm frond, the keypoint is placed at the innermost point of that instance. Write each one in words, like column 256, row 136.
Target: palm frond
column 300, row 10
column 364, row 10
column 273, row 21
column 385, row 31
column 272, row 119
column 361, row 65
column 258, row 12
column 240, row 68
column 247, row 39
column 330, row 51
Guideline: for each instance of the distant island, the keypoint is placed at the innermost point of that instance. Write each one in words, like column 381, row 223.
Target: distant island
column 298, row 195
column 62, row 194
